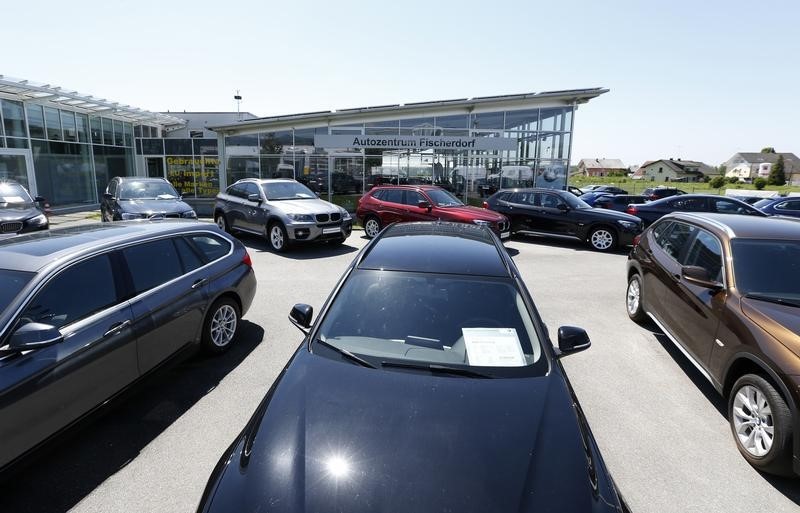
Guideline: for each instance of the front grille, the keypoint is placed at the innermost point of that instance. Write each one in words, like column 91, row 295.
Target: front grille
column 322, row 218
column 336, row 216
column 11, row 227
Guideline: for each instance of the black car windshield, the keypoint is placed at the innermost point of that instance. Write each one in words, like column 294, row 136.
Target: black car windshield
column 287, row 191
column 11, row 282
column 442, row 198
column 13, row 195
column 391, row 318
column 769, row 268
column 156, row 189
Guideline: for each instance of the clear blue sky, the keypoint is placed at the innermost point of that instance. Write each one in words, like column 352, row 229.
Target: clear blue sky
column 698, row 79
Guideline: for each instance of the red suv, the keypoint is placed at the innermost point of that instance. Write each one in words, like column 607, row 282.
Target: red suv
column 399, row 203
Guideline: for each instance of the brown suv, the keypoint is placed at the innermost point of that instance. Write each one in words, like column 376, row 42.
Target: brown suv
column 726, row 290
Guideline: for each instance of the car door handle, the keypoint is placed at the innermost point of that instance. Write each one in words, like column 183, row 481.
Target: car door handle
column 199, row 283
column 116, row 328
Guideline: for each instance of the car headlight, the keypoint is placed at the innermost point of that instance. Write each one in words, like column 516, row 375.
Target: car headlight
column 630, row 225
column 301, row 218
column 39, row 220
column 191, row 214
column 127, row 216
column 346, row 215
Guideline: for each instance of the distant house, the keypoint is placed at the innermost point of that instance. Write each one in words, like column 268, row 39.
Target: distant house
column 602, row 167
column 670, row 170
column 748, row 166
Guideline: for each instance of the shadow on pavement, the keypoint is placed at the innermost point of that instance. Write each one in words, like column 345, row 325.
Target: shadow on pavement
column 309, row 251
column 69, row 467
column 556, row 242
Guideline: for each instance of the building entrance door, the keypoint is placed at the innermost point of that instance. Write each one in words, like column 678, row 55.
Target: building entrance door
column 17, row 165
column 155, row 167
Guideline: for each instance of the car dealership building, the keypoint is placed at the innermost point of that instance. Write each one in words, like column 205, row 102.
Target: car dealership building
column 66, row 146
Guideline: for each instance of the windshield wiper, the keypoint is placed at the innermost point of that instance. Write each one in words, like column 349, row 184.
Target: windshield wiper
column 774, row 299
column 347, row 354
column 435, row 368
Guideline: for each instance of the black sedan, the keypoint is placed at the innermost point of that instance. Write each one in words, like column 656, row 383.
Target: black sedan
column 19, row 213
column 88, row 310
column 560, row 214
column 129, row 198
column 610, row 189
column 428, row 383
column 652, row 211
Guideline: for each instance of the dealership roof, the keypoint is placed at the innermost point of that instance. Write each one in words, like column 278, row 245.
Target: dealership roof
column 566, row 97
column 28, row 90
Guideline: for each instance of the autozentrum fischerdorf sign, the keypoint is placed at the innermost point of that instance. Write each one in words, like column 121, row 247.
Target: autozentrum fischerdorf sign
column 414, row 142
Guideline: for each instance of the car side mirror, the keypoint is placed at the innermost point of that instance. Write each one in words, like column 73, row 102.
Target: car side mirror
column 572, row 339
column 34, row 335
column 425, row 205
column 255, row 198
column 699, row 276
column 39, row 199
column 301, row 316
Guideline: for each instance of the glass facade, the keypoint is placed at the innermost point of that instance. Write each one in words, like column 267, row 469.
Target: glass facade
column 74, row 155
column 540, row 155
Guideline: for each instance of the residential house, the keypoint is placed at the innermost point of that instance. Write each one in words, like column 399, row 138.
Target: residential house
column 748, row 166
column 602, row 167
column 675, row 170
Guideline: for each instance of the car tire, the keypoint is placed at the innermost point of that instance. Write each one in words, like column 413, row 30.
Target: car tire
column 277, row 237
column 372, row 226
column 220, row 326
column 773, row 455
column 602, row 239
column 633, row 299
column 222, row 222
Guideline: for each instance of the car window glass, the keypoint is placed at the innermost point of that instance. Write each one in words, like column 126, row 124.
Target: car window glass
column 675, row 239
column 780, row 278
column 413, row 198
column 190, row 259
column 13, row 282
column 706, row 252
column 689, row 205
column 724, row 206
column 64, row 299
column 551, row 201
column 393, row 195
column 211, row 246
column 152, row 264
column 378, row 195
column 788, row 205
column 236, row 190
column 251, row 188
column 660, row 229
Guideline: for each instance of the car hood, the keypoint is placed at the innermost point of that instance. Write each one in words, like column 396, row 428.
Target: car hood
column 613, row 215
column 153, row 206
column 333, row 436
column 305, row 206
column 469, row 212
column 780, row 321
column 19, row 213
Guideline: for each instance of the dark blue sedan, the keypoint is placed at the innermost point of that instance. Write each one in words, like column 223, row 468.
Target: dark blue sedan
column 590, row 197
column 780, row 206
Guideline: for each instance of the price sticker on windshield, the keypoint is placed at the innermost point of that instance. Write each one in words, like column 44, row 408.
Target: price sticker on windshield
column 493, row 347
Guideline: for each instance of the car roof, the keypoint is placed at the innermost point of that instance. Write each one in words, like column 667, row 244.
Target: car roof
column 32, row 252
column 267, row 180
column 140, row 179
column 423, row 187
column 541, row 189
column 436, row 247
column 744, row 226
column 684, row 197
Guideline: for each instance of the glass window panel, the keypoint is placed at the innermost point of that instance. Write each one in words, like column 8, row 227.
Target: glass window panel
column 487, row 120
column 64, row 173
column 96, row 130
column 137, row 131
column 119, row 138
column 392, row 123
column 555, row 119
column 551, row 146
column 275, row 143
column 152, row 146
column 14, row 119
column 458, row 121
column 242, row 140
column 82, row 122
column 208, row 177
column 382, row 131
column 181, row 172
column 68, row 122
column 16, row 142
column 35, row 120
column 350, row 130
column 413, row 122
column 243, row 167
column 178, row 146
column 109, row 162
column 205, row 146
column 108, row 131
column 128, row 131
column 305, row 136
column 138, row 146
column 53, row 121
column 523, row 120
column 2, row 142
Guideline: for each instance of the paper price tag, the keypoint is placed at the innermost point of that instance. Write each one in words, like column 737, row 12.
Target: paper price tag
column 493, row 347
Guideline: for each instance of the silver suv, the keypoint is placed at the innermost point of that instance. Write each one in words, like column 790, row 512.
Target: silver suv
column 282, row 210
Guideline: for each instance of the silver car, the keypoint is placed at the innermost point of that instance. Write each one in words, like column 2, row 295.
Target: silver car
column 282, row 210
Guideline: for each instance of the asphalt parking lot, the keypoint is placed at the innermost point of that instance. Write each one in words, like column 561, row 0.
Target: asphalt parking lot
column 660, row 426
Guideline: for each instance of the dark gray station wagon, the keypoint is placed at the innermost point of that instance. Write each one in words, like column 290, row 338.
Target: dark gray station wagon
column 86, row 311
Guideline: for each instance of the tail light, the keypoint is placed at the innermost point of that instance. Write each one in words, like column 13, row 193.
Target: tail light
column 246, row 260
column 631, row 210
column 485, row 204
column 636, row 240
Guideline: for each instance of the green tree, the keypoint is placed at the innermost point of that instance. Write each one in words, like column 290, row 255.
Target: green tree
column 722, row 169
column 768, row 149
column 760, row 183
column 777, row 176
column 733, row 179
column 717, row 182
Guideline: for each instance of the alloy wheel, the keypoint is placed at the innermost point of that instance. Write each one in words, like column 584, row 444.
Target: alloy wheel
column 221, row 223
column 276, row 237
column 223, row 326
column 602, row 239
column 634, row 296
column 752, row 420
column 372, row 227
